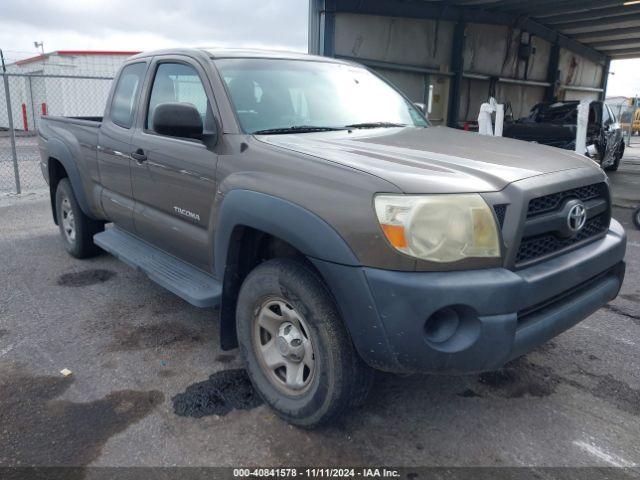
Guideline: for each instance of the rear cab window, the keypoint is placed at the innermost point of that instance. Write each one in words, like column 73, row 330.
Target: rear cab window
column 126, row 94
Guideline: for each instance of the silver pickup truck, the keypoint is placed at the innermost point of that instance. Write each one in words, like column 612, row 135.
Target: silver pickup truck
column 338, row 232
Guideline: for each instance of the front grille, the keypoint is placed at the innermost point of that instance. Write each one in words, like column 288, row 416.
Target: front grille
column 549, row 203
column 501, row 213
column 550, row 210
column 542, row 245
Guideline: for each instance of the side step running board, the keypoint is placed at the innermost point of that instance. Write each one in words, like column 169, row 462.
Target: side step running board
column 189, row 283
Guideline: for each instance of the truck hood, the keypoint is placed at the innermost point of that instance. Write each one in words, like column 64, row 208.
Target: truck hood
column 435, row 159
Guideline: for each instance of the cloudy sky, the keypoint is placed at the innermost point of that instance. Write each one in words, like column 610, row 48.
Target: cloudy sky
column 152, row 24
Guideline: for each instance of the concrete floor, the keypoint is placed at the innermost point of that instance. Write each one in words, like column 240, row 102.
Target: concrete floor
column 132, row 347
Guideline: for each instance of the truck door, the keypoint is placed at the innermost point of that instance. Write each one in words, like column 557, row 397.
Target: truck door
column 174, row 178
column 114, row 143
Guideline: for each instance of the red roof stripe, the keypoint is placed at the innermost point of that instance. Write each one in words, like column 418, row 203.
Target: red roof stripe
column 76, row 52
column 96, row 52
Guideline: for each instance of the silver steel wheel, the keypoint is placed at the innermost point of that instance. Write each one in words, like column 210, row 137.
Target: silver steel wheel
column 68, row 220
column 283, row 346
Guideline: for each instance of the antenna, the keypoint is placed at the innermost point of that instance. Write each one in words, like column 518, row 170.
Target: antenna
column 39, row 45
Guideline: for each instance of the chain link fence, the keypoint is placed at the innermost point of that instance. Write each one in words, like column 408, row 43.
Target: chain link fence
column 24, row 98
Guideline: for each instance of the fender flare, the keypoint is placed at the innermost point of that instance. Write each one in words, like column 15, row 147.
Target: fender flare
column 58, row 150
column 327, row 250
column 301, row 228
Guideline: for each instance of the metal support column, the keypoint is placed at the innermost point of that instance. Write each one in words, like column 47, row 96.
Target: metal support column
column 12, row 131
column 457, row 66
column 605, row 78
column 328, row 30
column 553, row 73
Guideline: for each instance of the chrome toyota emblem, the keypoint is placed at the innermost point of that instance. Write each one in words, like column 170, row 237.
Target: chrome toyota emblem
column 577, row 218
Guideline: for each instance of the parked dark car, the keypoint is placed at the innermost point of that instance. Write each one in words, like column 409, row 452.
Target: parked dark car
column 555, row 124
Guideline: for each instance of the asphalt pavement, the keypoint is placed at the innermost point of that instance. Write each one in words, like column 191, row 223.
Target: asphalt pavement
column 151, row 387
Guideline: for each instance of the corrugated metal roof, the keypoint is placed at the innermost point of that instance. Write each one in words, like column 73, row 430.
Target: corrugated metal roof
column 609, row 26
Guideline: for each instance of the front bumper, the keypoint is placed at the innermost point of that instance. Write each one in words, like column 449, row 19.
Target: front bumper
column 483, row 318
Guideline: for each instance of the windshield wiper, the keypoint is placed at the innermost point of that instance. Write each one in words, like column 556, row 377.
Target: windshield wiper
column 376, row 125
column 296, row 129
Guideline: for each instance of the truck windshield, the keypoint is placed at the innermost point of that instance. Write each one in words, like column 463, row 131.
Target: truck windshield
column 293, row 96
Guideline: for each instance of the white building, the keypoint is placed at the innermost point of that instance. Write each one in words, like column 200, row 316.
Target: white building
column 64, row 82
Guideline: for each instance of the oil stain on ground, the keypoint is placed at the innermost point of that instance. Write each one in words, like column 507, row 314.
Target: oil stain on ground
column 519, row 378
column 222, row 392
column 39, row 429
column 160, row 335
column 3, row 332
column 468, row 393
column 85, row 278
column 617, row 392
column 225, row 358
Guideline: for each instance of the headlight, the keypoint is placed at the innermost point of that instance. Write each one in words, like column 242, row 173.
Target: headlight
column 439, row 228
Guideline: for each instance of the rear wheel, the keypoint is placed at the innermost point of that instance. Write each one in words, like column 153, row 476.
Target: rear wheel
column 77, row 229
column 298, row 353
column 636, row 218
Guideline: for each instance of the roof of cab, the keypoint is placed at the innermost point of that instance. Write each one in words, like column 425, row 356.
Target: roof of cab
column 240, row 53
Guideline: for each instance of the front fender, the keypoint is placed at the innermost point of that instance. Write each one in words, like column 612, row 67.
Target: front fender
column 304, row 230
column 329, row 253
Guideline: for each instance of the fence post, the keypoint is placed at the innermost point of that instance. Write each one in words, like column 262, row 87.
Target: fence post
column 7, row 95
column 33, row 106
column 25, row 122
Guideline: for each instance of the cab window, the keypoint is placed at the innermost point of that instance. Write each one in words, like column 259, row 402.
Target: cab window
column 177, row 82
column 126, row 94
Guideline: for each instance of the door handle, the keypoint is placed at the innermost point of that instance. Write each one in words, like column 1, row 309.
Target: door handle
column 139, row 156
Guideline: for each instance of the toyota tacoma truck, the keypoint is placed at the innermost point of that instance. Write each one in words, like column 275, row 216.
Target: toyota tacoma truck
column 338, row 232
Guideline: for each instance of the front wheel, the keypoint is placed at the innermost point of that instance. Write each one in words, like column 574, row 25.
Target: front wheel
column 636, row 218
column 297, row 351
column 76, row 228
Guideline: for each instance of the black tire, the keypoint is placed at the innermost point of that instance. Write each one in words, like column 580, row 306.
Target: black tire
column 340, row 380
column 80, row 244
column 636, row 218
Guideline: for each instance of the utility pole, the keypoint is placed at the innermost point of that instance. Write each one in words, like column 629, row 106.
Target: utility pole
column 12, row 132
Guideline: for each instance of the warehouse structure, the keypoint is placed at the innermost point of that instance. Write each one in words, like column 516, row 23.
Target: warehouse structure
column 64, row 82
column 521, row 52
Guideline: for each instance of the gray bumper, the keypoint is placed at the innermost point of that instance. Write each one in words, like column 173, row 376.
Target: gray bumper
column 488, row 316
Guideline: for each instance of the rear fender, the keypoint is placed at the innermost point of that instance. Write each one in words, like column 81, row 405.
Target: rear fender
column 58, row 150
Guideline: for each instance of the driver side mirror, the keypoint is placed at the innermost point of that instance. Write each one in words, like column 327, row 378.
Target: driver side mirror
column 178, row 119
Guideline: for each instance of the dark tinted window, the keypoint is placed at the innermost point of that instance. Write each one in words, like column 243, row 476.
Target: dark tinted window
column 126, row 94
column 177, row 82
